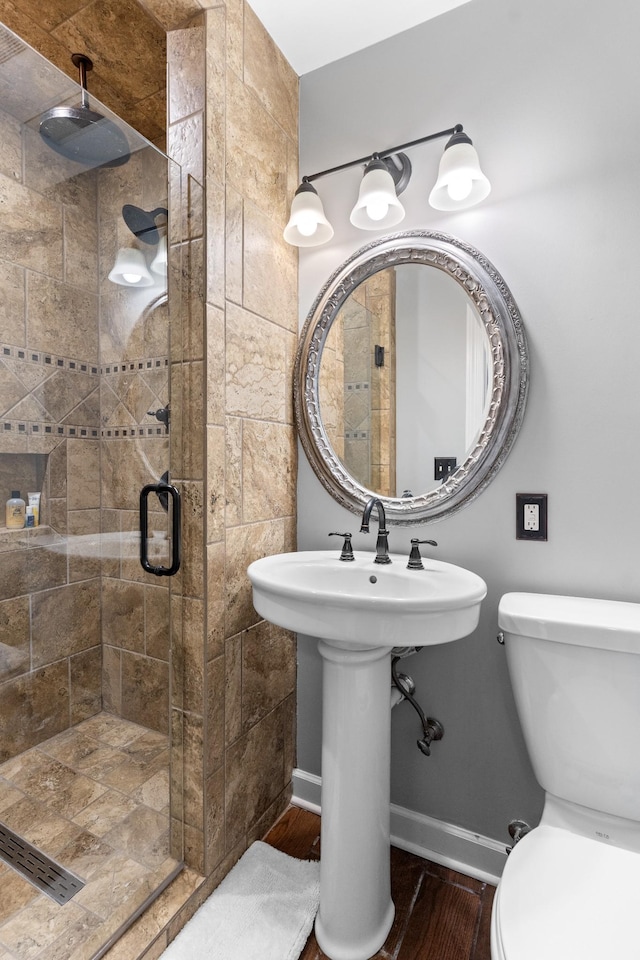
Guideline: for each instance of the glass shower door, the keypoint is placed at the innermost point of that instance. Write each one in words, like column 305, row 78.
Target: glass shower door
column 90, row 757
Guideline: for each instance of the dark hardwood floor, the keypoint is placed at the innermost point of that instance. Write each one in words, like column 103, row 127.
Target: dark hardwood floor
column 440, row 914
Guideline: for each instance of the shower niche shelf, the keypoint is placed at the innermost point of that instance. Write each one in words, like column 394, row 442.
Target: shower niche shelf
column 20, row 471
column 39, row 536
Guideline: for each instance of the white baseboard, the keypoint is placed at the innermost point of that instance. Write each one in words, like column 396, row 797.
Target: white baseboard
column 444, row 843
column 307, row 789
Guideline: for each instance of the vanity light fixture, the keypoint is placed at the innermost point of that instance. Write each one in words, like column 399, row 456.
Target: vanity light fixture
column 460, row 184
column 130, row 269
column 159, row 262
column 307, row 225
column 378, row 205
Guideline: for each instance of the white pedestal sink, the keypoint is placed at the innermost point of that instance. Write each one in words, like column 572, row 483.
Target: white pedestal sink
column 359, row 611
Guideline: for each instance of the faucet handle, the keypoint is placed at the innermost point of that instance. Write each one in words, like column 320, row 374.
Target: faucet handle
column 347, row 549
column 415, row 560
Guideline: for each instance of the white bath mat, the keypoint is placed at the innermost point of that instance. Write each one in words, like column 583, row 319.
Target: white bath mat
column 263, row 910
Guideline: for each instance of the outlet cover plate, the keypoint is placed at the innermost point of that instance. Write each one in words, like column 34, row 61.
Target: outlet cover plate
column 539, row 500
column 443, row 467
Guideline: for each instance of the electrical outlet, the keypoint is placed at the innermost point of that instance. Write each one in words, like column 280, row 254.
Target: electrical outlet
column 531, row 516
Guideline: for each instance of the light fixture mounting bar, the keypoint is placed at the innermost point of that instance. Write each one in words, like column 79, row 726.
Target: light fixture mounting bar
column 385, row 153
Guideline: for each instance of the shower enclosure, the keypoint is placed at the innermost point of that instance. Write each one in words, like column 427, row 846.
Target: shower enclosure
column 90, row 416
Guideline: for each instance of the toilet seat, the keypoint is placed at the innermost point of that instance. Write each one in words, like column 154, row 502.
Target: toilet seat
column 566, row 897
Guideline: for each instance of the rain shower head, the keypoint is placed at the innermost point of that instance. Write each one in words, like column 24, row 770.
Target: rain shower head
column 80, row 133
column 142, row 223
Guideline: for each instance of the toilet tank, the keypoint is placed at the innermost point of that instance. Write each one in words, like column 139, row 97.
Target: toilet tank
column 575, row 670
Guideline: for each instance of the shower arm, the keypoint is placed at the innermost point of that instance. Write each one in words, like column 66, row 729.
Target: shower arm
column 84, row 64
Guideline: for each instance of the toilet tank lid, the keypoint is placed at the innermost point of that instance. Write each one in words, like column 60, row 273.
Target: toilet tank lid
column 606, row 624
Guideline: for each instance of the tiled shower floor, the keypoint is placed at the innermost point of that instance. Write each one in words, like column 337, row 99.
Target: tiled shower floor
column 95, row 799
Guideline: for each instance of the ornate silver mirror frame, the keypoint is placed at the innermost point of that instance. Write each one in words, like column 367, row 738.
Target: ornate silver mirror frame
column 502, row 322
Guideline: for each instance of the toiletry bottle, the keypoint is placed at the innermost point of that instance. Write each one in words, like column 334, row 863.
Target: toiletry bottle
column 15, row 512
column 34, row 501
column 29, row 518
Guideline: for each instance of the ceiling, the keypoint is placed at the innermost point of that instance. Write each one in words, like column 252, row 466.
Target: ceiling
column 312, row 33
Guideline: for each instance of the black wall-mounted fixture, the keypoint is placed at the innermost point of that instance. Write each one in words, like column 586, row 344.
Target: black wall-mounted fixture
column 142, row 223
column 163, row 415
column 443, row 467
column 130, row 268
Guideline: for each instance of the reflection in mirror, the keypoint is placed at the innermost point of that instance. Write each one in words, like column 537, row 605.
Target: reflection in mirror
column 411, row 383
column 357, row 383
column 418, row 328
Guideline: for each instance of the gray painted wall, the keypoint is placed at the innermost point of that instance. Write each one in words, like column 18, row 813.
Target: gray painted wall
column 431, row 365
column 550, row 94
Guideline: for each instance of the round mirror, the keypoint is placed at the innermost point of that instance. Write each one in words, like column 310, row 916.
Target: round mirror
column 411, row 383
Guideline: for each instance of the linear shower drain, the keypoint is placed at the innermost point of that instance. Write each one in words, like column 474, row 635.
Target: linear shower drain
column 36, row 867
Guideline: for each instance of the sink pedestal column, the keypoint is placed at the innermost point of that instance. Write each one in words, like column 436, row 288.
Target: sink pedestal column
column 356, row 910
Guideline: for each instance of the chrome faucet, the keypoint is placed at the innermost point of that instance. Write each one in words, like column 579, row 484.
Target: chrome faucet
column 382, row 543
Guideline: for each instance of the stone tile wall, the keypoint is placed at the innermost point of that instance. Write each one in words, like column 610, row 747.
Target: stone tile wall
column 233, row 117
column 134, row 336
column 50, row 653
column 331, row 390
column 233, row 121
column 357, row 322
column 356, row 396
column 126, row 42
column 380, row 298
column 82, row 364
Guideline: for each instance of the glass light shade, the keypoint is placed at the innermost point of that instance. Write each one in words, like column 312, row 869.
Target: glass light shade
column 159, row 262
column 308, row 226
column 461, row 183
column 130, row 269
column 378, row 206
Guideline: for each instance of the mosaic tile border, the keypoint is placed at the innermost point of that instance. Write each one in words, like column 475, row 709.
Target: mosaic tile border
column 134, row 366
column 110, row 433
column 362, row 385
column 12, row 429
column 44, row 358
column 21, row 428
column 26, row 428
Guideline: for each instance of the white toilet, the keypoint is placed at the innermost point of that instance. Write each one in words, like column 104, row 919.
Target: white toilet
column 571, row 887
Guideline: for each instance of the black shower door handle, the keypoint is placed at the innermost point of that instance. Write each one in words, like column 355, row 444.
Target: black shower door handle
column 165, row 489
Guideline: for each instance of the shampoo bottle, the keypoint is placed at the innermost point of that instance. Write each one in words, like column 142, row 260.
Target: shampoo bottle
column 15, row 511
